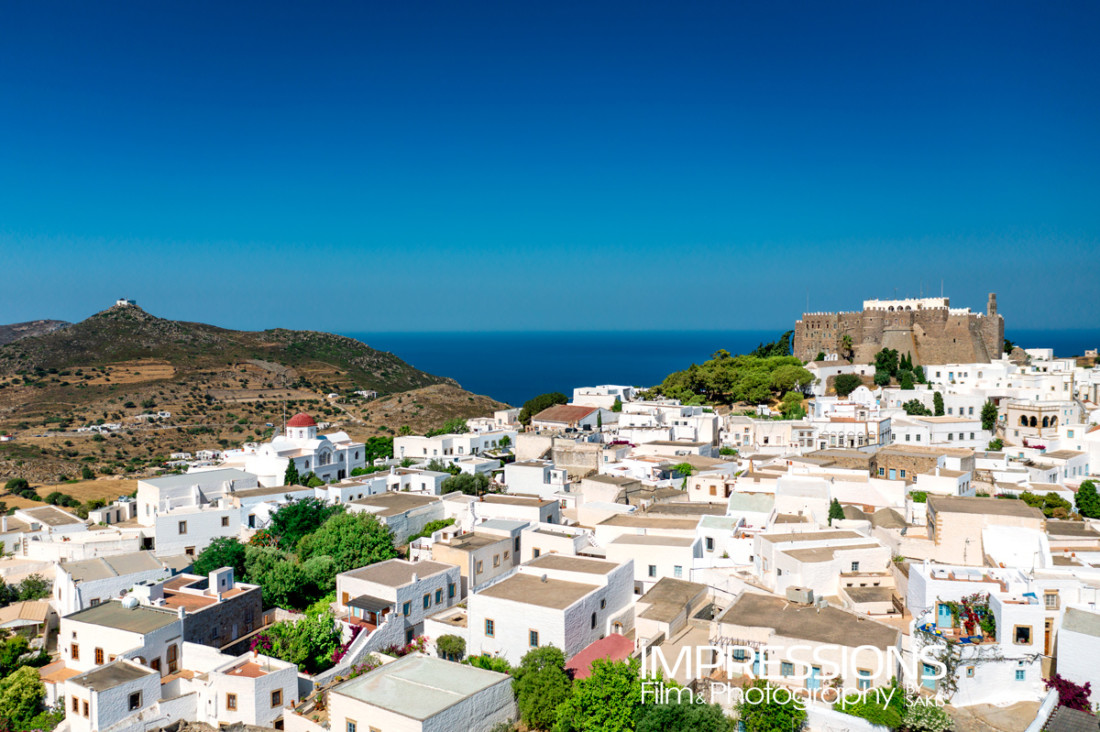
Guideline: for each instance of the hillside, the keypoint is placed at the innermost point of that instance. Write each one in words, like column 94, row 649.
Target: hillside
column 218, row 387
column 14, row 331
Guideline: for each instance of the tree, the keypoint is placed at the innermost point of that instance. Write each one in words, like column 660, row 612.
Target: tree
column 937, row 403
column 820, row 356
column 225, row 551
column 34, row 587
column 490, row 663
column 599, row 419
column 989, row 415
column 540, row 685
column 887, row 360
column 606, row 701
column 836, row 511
column 995, row 445
column 915, row 407
column 536, row 404
column 906, row 380
column 505, row 442
column 617, row 406
column 1009, row 345
column 882, row 378
column 351, row 539
column 1074, row 696
column 791, row 406
column 1087, row 500
column 846, row 346
column 918, row 373
column 297, row 518
column 845, row 384
column 766, row 708
column 87, row 473
column 291, row 476
column 278, row 574
column 926, row 718
column 21, row 696
column 17, row 486
column 471, row 485
column 673, row 716
column 405, row 430
column 786, row 378
column 450, row 647
column 311, row 642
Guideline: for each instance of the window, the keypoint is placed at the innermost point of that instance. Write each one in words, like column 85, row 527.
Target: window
column 451, row 590
column 496, row 560
column 1021, row 635
column 677, row 571
column 515, row 545
column 155, row 664
column 882, row 471
column 173, row 657
column 969, row 672
column 535, row 553
column 349, row 725
column 427, row 601
column 507, row 554
column 477, row 569
column 855, row 566
column 1021, row 674
column 99, row 657
column 84, row 704
column 95, row 601
column 189, row 551
column 231, row 702
column 533, row 638
column 438, row 596
column 863, row 681
column 653, row 570
column 74, row 652
column 714, row 490
column 603, row 603
column 76, row 704
column 225, row 521
column 710, row 543
column 786, row 668
column 277, row 698
column 183, row 527
column 1050, row 599
column 593, row 621
column 407, row 609
column 490, row 628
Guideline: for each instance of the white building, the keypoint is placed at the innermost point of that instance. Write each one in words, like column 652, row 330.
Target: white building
column 331, row 457
column 450, row 448
column 397, row 591
column 83, row 583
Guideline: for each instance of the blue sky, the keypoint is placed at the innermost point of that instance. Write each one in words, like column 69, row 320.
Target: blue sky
column 547, row 166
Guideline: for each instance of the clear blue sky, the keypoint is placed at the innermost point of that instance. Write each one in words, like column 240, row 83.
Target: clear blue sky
column 547, row 165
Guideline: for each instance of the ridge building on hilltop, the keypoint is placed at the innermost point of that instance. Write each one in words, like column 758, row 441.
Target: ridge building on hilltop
column 928, row 328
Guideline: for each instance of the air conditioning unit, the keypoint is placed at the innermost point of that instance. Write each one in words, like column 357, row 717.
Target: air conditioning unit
column 801, row 595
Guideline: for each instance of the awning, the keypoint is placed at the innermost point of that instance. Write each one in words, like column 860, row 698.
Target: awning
column 370, row 604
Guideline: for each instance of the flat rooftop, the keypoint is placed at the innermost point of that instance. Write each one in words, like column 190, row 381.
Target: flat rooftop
column 111, row 675
column 141, row 619
column 807, row 622
column 654, row 540
column 51, row 516
column 572, row 564
column 118, row 565
column 811, row 536
column 394, row 502
column 986, row 506
column 418, row 686
column 515, row 500
column 668, row 598
column 469, row 542
column 824, row 553
column 397, row 572
column 532, row 590
column 200, row 478
column 682, row 509
column 630, row 520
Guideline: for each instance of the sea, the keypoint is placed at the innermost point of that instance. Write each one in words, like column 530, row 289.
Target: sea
column 512, row 367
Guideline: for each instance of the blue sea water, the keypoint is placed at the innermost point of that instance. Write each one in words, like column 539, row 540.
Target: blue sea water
column 513, row 367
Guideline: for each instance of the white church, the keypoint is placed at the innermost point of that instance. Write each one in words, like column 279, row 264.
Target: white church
column 330, row 457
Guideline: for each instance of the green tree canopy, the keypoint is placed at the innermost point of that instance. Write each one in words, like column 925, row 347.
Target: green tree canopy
column 351, row 539
column 297, row 518
column 533, row 406
column 310, row 642
column 450, row 647
column 937, row 403
column 471, row 485
column 845, row 384
column 836, row 511
column 540, row 685
column 225, row 551
column 766, row 708
column 606, row 701
column 279, row 576
column 989, row 415
column 291, row 476
column 1087, row 499
column 916, row 408
column 21, row 696
column 686, row 717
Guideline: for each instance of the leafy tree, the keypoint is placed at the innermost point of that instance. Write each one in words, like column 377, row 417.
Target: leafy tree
column 845, row 384
column 378, row 447
column 915, row 407
column 686, row 717
column 278, row 574
column 918, row 374
column 995, row 445
column 820, row 356
column 311, row 642
column 881, row 378
column 989, row 415
column 906, row 380
column 536, row 404
column 438, row 466
column 471, row 485
column 937, row 403
column 887, row 361
column 617, row 406
column 22, row 694
column 351, row 539
column 87, row 473
column 771, row 709
column 224, row 551
column 405, row 430
column 791, row 406
column 781, row 347
column 291, row 476
column 874, row 708
column 313, row 481
column 606, row 701
column 505, row 442
column 846, row 346
column 34, row 587
column 455, row 426
column 1087, row 499
column 17, row 486
column 1009, row 345
column 450, row 647
column 297, row 518
column 786, row 378
column 489, row 663
column 540, row 685
column 836, row 511
column 431, row 527
column 919, row 496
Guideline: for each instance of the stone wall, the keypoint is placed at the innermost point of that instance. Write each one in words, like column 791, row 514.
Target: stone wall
column 932, row 336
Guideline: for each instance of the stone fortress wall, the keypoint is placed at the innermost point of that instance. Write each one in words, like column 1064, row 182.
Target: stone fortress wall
column 928, row 328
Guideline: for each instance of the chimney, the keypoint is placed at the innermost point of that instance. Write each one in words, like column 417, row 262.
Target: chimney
column 181, row 612
column 4, row 523
column 416, row 577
